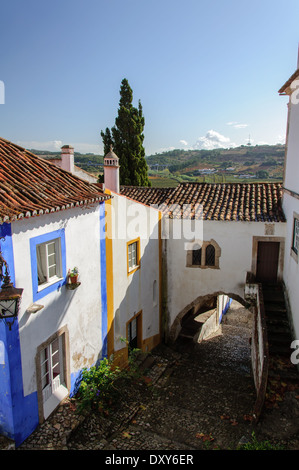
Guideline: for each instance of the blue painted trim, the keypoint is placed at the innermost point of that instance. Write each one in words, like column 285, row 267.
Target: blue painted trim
column 18, row 414
column 37, row 295
column 103, row 279
column 228, row 304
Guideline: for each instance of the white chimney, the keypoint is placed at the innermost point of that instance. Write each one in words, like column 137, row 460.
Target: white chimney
column 67, row 158
column 111, row 171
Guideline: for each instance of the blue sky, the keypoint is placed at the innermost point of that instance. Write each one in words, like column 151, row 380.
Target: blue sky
column 207, row 72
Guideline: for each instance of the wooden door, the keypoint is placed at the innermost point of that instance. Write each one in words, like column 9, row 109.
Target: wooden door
column 267, row 262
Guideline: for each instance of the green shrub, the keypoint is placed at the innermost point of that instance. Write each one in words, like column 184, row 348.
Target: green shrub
column 97, row 388
column 262, row 445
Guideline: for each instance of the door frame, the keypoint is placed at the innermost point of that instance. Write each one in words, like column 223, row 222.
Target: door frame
column 138, row 318
column 255, row 242
column 62, row 334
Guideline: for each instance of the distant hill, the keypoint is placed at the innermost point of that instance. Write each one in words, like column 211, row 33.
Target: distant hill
column 87, row 161
column 256, row 163
column 253, row 163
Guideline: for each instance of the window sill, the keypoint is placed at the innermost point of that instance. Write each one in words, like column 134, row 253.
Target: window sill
column 202, row 267
column 133, row 270
column 43, row 286
column 72, row 285
column 294, row 255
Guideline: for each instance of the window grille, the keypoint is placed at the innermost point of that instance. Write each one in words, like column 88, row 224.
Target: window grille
column 196, row 257
column 210, row 255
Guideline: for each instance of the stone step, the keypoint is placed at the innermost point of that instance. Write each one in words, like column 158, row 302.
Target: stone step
column 278, row 349
column 278, row 330
column 279, row 338
column 271, row 307
column 273, row 296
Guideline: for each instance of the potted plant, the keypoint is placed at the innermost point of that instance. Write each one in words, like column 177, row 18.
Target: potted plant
column 73, row 275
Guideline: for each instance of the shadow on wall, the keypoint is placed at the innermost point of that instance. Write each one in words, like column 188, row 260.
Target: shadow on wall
column 137, row 315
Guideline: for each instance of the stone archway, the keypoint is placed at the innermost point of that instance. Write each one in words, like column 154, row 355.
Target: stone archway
column 208, row 301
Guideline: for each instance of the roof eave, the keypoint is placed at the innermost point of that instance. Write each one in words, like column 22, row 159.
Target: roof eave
column 286, row 88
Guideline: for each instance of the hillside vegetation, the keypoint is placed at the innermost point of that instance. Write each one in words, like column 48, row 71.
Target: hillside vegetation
column 168, row 169
column 245, row 163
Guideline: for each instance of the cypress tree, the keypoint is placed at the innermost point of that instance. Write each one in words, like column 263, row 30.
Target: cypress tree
column 126, row 137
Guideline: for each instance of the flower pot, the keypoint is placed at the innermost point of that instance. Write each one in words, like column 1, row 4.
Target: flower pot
column 74, row 279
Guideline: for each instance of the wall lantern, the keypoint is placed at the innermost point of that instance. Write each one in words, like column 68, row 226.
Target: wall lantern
column 9, row 295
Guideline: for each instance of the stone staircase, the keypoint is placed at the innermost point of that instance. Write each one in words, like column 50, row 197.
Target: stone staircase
column 278, row 332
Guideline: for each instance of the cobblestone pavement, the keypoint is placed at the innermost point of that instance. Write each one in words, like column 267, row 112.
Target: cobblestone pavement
column 195, row 396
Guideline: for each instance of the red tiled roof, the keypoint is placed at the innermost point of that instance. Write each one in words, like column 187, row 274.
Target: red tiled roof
column 254, row 202
column 30, row 185
column 145, row 195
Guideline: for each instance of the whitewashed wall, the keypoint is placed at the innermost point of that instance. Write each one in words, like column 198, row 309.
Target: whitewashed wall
column 80, row 309
column 135, row 292
column 235, row 239
column 291, row 205
column 291, row 163
column 291, row 265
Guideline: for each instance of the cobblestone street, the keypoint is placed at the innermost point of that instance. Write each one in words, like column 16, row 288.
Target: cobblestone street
column 195, row 396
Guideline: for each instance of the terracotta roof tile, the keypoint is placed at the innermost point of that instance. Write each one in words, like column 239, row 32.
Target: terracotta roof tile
column 30, row 185
column 254, row 202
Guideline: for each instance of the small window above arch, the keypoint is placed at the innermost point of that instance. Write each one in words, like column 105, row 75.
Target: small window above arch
column 196, row 256
column 205, row 256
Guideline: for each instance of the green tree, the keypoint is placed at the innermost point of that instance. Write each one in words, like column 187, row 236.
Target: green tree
column 127, row 137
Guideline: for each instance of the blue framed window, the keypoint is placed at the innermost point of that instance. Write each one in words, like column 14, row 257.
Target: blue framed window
column 48, row 263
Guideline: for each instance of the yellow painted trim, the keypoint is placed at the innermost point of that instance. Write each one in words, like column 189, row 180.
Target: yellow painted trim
column 109, row 277
column 131, row 271
column 138, row 316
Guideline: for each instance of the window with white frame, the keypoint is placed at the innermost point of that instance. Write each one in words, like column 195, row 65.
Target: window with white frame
column 51, row 361
column 48, row 261
column 133, row 255
column 295, row 244
column 52, row 370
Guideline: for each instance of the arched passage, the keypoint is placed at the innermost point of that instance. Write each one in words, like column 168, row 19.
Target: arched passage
column 200, row 305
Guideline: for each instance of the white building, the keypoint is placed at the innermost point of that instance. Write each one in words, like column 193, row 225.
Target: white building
column 51, row 222
column 291, row 198
column 134, row 263
column 213, row 235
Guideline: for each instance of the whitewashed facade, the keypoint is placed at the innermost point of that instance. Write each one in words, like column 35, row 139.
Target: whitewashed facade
column 291, row 199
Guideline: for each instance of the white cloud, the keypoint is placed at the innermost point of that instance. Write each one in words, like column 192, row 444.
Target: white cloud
column 281, row 139
column 236, row 125
column 184, row 142
column 52, row 146
column 213, row 140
